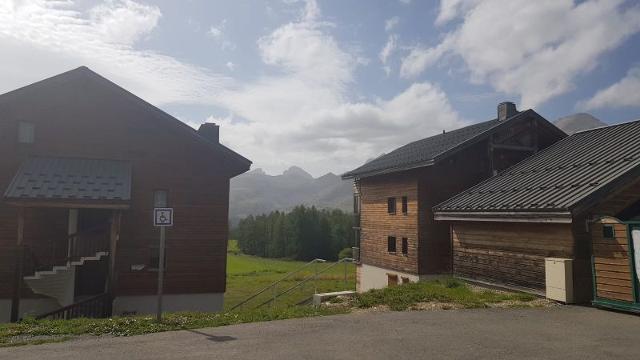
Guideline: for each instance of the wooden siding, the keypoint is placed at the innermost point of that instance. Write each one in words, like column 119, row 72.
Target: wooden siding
column 508, row 253
column 96, row 120
column 437, row 184
column 611, row 261
column 429, row 240
column 377, row 224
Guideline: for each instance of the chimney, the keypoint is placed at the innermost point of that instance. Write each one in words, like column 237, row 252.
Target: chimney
column 210, row 131
column 506, row 110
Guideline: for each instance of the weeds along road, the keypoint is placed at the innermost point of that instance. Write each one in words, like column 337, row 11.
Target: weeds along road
column 566, row 332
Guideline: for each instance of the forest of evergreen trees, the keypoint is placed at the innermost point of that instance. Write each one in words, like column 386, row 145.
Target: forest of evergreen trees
column 302, row 234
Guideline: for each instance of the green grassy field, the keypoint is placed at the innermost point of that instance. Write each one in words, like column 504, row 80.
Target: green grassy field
column 247, row 275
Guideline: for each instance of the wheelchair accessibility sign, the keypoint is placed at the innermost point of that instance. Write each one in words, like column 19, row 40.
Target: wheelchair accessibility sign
column 163, row 217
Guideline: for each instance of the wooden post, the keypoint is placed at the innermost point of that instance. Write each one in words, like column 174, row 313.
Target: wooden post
column 113, row 244
column 17, row 280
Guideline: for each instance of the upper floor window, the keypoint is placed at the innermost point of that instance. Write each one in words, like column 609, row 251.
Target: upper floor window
column 160, row 198
column 405, row 205
column 608, row 232
column 391, row 205
column 26, row 132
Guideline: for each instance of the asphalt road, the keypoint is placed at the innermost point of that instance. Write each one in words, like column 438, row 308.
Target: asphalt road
column 549, row 333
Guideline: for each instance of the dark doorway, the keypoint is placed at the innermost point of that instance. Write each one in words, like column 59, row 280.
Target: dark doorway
column 93, row 219
column 91, row 276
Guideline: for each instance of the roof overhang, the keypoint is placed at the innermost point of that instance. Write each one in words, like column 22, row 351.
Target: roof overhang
column 388, row 171
column 71, row 183
column 66, row 204
column 560, row 217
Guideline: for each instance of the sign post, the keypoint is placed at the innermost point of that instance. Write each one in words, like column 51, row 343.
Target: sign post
column 163, row 218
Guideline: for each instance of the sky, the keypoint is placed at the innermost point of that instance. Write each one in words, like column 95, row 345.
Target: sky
column 326, row 85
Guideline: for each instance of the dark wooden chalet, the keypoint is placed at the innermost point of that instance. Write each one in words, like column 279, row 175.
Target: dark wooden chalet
column 398, row 239
column 83, row 164
column 558, row 223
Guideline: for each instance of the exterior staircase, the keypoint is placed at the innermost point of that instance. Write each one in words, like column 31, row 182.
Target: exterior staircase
column 55, row 277
column 59, row 281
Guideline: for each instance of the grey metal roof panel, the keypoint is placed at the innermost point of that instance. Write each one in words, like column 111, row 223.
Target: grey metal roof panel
column 427, row 151
column 422, row 151
column 559, row 177
column 52, row 178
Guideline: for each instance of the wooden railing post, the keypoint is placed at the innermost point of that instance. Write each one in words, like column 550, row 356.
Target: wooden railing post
column 17, row 281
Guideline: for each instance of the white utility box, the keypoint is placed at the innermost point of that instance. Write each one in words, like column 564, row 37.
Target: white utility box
column 559, row 279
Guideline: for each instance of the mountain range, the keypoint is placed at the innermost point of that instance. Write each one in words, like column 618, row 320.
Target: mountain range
column 256, row 192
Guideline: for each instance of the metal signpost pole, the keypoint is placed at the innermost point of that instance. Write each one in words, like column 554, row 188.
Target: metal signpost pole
column 160, row 272
column 162, row 217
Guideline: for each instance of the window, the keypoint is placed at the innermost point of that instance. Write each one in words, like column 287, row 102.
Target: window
column 160, row 198
column 391, row 244
column 405, row 205
column 391, row 205
column 608, row 232
column 392, row 280
column 405, row 246
column 26, row 132
column 154, row 259
column 405, row 280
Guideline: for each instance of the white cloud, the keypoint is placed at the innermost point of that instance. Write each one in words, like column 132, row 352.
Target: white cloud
column 300, row 112
column 625, row 92
column 217, row 33
column 214, row 32
column 230, row 65
column 125, row 21
column 406, row 2
column 44, row 38
column 388, row 48
column 504, row 43
column 391, row 23
column 451, row 9
column 304, row 115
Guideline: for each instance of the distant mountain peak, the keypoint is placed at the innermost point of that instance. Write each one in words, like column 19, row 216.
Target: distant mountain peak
column 257, row 171
column 578, row 122
column 297, row 171
column 256, row 192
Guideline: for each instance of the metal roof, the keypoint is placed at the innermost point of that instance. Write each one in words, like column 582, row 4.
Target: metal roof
column 51, row 178
column 560, row 177
column 427, row 151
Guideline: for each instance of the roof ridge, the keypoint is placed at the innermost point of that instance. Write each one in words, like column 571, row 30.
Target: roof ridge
column 499, row 123
column 606, row 127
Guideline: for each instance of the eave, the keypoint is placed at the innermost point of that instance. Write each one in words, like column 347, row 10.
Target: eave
column 557, row 217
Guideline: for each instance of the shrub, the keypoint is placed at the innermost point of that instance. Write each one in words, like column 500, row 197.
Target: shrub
column 345, row 253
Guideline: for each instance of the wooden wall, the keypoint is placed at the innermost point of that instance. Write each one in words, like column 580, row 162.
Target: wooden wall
column 611, row 261
column 508, row 253
column 377, row 224
column 432, row 185
column 80, row 115
column 438, row 183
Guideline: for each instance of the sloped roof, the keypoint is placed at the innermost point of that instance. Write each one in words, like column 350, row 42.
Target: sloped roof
column 53, row 178
column 181, row 128
column 560, row 178
column 427, row 151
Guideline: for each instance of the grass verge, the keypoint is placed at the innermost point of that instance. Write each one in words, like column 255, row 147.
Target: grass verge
column 31, row 331
column 246, row 275
column 447, row 291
